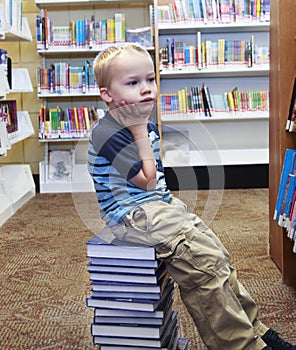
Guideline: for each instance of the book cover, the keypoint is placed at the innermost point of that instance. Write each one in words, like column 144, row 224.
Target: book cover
column 132, row 304
column 96, row 247
column 124, row 262
column 163, row 341
column 142, row 36
column 125, row 295
column 60, row 166
column 123, row 269
column 136, row 314
column 292, row 109
column 126, row 287
column 173, row 344
column 287, row 200
column 288, row 166
column 132, row 330
column 8, row 114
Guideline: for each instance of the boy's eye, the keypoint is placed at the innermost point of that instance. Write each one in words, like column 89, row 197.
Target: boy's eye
column 133, row 82
column 151, row 80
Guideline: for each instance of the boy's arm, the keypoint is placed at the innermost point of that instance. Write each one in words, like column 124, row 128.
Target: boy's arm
column 146, row 178
column 135, row 117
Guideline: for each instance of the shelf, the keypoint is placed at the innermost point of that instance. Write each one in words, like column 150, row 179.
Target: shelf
column 59, row 50
column 21, row 81
column 186, row 28
column 78, row 94
column 217, row 117
column 25, row 128
column 231, row 71
column 9, row 34
column 48, row 3
column 81, row 181
column 73, row 139
column 16, row 188
column 220, row 157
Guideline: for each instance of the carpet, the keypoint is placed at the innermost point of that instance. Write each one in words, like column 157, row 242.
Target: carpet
column 44, row 279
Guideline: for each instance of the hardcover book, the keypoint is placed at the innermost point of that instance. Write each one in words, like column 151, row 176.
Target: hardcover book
column 8, row 114
column 132, row 304
column 96, row 247
column 289, row 166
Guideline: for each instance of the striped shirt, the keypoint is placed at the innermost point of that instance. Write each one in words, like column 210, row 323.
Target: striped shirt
column 113, row 160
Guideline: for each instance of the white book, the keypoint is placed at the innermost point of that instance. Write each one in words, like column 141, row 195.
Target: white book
column 123, row 262
column 122, row 269
column 163, row 341
column 132, row 304
column 126, row 295
column 96, row 247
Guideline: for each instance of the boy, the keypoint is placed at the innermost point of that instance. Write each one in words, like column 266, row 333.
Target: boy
column 139, row 209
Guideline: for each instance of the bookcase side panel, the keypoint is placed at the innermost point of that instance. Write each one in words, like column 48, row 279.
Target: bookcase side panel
column 282, row 73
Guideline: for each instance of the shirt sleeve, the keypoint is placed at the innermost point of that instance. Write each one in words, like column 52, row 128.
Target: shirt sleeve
column 119, row 147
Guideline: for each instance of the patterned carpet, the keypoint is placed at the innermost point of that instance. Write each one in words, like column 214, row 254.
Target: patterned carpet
column 44, row 280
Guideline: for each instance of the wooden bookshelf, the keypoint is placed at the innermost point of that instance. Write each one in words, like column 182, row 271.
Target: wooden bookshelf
column 282, row 73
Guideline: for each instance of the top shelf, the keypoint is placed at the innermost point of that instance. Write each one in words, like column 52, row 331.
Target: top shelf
column 49, row 3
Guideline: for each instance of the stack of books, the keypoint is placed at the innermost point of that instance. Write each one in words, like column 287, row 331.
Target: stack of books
column 132, row 297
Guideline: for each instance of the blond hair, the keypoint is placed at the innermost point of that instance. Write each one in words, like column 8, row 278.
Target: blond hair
column 103, row 61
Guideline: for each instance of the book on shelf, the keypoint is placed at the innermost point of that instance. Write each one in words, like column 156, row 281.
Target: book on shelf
column 60, row 166
column 199, row 100
column 74, row 122
column 209, row 11
column 79, row 33
column 291, row 120
column 287, row 200
column 142, row 36
column 288, row 169
column 212, row 54
column 8, row 115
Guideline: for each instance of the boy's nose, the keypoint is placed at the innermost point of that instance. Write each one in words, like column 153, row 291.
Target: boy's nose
column 145, row 88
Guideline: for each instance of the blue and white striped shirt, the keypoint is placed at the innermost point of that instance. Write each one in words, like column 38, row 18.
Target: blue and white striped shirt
column 113, row 159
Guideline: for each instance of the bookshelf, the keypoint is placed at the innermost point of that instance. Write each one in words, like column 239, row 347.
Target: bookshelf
column 61, row 13
column 16, row 181
column 282, row 74
column 224, row 138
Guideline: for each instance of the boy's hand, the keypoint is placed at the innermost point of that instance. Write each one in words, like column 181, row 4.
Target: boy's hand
column 130, row 115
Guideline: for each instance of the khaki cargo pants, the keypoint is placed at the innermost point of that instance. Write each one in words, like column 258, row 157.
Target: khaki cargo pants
column 223, row 311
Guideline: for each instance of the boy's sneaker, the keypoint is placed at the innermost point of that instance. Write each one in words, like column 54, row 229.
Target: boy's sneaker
column 272, row 339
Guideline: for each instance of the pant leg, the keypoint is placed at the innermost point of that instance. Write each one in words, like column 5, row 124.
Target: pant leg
column 246, row 301
column 199, row 263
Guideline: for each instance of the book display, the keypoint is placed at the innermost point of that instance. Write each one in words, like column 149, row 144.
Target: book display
column 282, row 142
column 285, row 214
column 132, row 305
column 69, row 35
column 16, row 181
column 214, row 80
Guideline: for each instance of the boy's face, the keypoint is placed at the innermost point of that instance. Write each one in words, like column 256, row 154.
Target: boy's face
column 132, row 80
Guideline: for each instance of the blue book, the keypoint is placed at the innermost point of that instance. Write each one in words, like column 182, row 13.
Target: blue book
column 289, row 167
column 291, row 186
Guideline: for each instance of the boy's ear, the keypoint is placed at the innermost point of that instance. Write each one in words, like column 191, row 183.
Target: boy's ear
column 105, row 95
